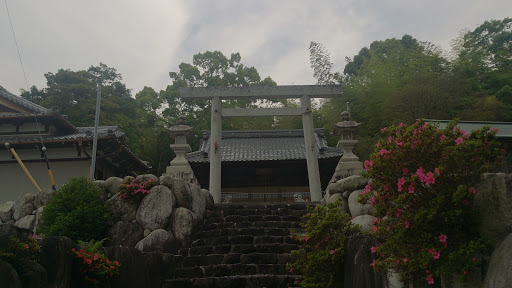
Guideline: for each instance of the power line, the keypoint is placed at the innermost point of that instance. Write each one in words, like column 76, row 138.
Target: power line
column 16, row 42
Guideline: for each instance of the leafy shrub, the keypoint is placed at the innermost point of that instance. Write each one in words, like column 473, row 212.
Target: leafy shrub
column 131, row 190
column 421, row 185
column 76, row 211
column 20, row 253
column 94, row 266
column 327, row 229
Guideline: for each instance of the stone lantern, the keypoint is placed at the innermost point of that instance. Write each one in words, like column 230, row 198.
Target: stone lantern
column 179, row 166
column 349, row 163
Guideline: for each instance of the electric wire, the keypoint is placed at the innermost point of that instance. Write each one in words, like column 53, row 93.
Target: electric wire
column 43, row 147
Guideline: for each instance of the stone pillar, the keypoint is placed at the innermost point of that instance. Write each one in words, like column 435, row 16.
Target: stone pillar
column 349, row 163
column 215, row 149
column 179, row 166
column 315, row 188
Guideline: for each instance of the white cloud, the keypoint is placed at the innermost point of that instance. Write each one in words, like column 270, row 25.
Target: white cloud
column 146, row 40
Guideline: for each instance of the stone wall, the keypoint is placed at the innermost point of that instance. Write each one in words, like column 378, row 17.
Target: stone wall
column 492, row 208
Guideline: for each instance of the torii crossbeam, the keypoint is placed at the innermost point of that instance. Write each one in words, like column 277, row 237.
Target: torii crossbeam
column 303, row 92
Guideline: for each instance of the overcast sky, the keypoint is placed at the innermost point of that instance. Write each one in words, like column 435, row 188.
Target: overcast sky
column 144, row 40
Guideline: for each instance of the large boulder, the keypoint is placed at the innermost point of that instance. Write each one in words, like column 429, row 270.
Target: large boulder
column 34, row 275
column 499, row 273
column 158, row 241
column 198, row 201
column 57, row 258
column 28, row 222
column 209, row 199
column 6, row 211
column 181, row 190
column 104, row 194
column 43, row 197
column 344, row 202
column 156, row 208
column 365, row 221
column 146, row 177
column 38, row 223
column 358, row 259
column 350, row 183
column 9, row 276
column 166, row 180
column 123, row 209
column 182, row 225
column 133, row 271
column 125, row 233
column 356, row 208
column 112, row 185
column 23, row 206
column 492, row 207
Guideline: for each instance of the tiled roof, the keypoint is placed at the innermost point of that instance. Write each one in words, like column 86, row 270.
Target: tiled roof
column 86, row 133
column 263, row 145
column 23, row 102
column 504, row 128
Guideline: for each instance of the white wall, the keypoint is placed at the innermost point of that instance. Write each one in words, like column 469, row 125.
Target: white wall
column 14, row 182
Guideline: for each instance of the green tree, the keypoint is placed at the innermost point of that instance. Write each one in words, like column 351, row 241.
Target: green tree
column 211, row 69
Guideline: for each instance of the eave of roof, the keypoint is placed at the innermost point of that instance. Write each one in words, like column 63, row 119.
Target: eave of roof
column 23, row 102
column 263, row 145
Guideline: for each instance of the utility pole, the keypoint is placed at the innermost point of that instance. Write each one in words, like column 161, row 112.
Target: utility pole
column 96, row 123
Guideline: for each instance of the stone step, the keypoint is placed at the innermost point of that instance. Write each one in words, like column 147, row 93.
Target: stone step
column 249, row 224
column 253, row 218
column 248, row 281
column 291, row 206
column 277, row 248
column 242, row 239
column 231, row 270
column 270, row 231
column 250, row 212
column 234, row 258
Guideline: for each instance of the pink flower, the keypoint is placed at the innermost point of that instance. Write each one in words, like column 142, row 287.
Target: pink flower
column 401, row 183
column 430, row 279
column 402, row 124
column 332, row 252
column 34, row 236
column 407, row 224
column 89, row 261
column 437, row 171
column 442, row 239
column 398, row 211
column 373, row 249
column 383, row 151
column 435, row 253
column 411, row 188
column 374, row 228
column 383, row 129
column 459, row 140
column 26, row 246
column 429, row 179
column 306, row 238
column 441, row 139
column 405, row 171
column 399, row 144
column 405, row 260
column 472, row 190
column 465, row 202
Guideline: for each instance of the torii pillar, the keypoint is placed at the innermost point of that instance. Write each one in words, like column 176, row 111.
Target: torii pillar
column 302, row 92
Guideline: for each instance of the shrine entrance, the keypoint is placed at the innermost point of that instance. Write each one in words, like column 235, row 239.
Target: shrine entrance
column 302, row 92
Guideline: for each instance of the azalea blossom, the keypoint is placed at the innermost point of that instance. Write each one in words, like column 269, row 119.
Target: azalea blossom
column 407, row 224
column 373, row 249
column 459, row 140
column 442, row 239
column 430, row 279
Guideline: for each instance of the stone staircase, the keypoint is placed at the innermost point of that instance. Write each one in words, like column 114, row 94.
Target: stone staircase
column 242, row 246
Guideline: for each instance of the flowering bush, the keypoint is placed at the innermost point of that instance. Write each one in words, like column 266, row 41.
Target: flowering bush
column 327, row 228
column 20, row 253
column 132, row 190
column 94, row 266
column 421, row 185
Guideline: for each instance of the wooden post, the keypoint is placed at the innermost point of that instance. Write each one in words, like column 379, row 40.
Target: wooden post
column 315, row 188
column 215, row 149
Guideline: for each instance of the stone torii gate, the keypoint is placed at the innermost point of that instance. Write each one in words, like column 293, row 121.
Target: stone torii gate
column 304, row 92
